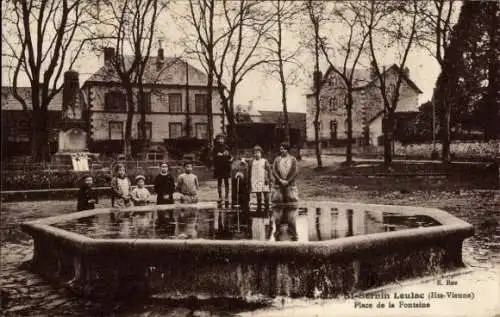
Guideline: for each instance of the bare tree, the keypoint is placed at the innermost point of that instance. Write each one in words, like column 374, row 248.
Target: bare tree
column 315, row 10
column 284, row 13
column 202, row 13
column 438, row 17
column 398, row 21
column 228, row 38
column 349, row 49
column 132, row 25
column 42, row 40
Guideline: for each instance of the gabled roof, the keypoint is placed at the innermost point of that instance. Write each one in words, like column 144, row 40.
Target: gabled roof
column 169, row 71
column 362, row 78
column 11, row 103
column 406, row 78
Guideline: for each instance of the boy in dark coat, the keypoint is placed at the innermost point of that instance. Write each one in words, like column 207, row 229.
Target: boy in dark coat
column 164, row 186
column 87, row 197
column 222, row 168
column 240, row 186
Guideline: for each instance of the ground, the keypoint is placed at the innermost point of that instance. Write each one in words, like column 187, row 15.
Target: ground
column 25, row 294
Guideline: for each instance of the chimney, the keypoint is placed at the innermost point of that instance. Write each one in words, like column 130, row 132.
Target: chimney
column 250, row 105
column 71, row 88
column 160, row 59
column 161, row 54
column 406, row 72
column 109, row 54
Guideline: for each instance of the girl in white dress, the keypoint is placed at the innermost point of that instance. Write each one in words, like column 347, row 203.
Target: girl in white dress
column 260, row 178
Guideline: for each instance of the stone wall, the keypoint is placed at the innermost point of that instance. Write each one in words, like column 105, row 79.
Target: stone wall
column 107, row 269
column 458, row 149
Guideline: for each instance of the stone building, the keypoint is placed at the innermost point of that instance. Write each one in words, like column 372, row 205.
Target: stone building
column 368, row 108
column 175, row 101
column 16, row 123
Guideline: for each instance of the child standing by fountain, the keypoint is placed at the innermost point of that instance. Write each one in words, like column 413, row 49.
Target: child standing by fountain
column 121, row 188
column 187, row 185
column 222, row 168
column 164, row 186
column 140, row 195
column 240, row 194
column 87, row 197
column 260, row 178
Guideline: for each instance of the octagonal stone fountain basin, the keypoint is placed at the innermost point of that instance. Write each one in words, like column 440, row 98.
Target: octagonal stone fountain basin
column 306, row 250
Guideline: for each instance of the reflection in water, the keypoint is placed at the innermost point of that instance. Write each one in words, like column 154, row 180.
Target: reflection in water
column 284, row 219
column 282, row 223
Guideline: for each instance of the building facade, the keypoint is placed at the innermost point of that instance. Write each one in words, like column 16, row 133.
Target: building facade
column 176, row 104
column 16, row 122
column 368, row 108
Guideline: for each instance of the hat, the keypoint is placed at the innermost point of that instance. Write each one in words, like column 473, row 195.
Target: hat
column 138, row 177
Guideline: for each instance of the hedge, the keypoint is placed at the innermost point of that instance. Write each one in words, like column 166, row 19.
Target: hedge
column 20, row 180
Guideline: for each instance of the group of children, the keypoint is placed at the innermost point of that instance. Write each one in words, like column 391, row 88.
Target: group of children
column 254, row 176
column 122, row 194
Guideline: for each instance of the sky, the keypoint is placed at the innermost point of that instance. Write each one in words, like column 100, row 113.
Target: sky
column 263, row 91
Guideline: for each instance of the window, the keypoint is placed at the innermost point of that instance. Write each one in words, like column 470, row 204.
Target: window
column 175, row 102
column 201, row 103
column 333, row 129
column 201, row 130
column 23, row 128
column 146, row 99
column 149, row 130
column 114, row 101
column 174, row 130
column 116, row 130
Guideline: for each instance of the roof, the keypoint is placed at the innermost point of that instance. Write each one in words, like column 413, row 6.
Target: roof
column 295, row 119
column 11, row 103
column 169, row 71
column 362, row 78
column 397, row 115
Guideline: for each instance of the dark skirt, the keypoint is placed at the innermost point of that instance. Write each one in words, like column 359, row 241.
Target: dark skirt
column 222, row 172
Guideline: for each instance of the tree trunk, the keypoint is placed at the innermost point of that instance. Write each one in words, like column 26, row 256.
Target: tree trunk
column 446, row 138
column 142, row 121
column 282, row 79
column 348, row 150
column 39, row 140
column 36, row 138
column 127, row 146
column 317, row 144
column 230, row 118
column 210, row 117
column 492, row 118
column 286, row 124
column 388, row 127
